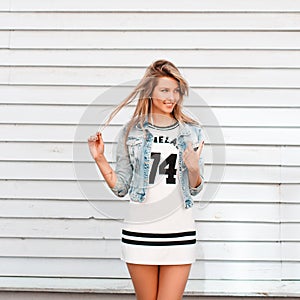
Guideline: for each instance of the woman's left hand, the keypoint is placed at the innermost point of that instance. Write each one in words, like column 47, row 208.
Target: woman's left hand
column 191, row 157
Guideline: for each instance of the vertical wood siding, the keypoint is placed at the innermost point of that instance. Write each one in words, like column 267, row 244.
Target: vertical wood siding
column 241, row 57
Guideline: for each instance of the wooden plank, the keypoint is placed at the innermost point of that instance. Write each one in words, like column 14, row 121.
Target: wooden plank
column 129, row 58
column 89, row 171
column 235, row 154
column 290, row 156
column 290, row 193
column 4, row 38
column 208, row 116
column 70, row 190
column 243, row 193
column 81, row 285
column 52, row 94
column 53, row 133
column 248, row 97
column 76, row 113
column 41, row 151
column 139, row 58
column 236, row 77
column 56, row 114
column 69, row 267
column 53, row 190
column 134, row 5
column 290, row 270
column 290, row 174
column 257, row 212
column 61, row 228
column 5, row 5
column 63, row 248
column 283, row 78
column 4, row 75
column 92, row 228
column 67, row 76
column 154, row 40
column 244, row 116
column 256, row 251
column 290, row 251
column 109, row 248
column 66, row 133
column 76, row 95
column 237, row 231
column 290, row 231
column 64, row 209
column 144, row 21
column 290, row 212
column 261, row 136
column 247, row 155
column 238, row 212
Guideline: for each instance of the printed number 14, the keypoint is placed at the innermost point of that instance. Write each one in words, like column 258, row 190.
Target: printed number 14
column 170, row 171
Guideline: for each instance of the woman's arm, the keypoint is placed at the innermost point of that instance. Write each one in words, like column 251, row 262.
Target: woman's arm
column 194, row 178
column 191, row 159
column 107, row 172
column 96, row 146
column 119, row 179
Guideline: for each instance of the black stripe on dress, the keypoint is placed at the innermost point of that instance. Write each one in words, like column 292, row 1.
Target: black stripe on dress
column 170, row 243
column 158, row 235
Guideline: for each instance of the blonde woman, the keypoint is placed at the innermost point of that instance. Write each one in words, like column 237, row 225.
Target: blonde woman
column 158, row 164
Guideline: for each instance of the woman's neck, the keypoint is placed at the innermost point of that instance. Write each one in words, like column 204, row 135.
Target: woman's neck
column 161, row 120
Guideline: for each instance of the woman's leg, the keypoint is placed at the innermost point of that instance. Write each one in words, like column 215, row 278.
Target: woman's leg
column 172, row 281
column 145, row 280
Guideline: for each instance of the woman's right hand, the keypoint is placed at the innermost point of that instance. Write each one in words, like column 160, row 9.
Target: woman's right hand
column 96, row 146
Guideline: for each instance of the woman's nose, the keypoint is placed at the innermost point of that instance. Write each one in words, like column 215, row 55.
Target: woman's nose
column 171, row 97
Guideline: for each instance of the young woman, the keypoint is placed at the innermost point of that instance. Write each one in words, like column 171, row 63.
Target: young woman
column 158, row 163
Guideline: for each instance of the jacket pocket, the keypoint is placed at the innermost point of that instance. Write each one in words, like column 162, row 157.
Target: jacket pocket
column 134, row 146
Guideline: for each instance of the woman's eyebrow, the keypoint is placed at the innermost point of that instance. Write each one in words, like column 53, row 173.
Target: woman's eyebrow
column 164, row 87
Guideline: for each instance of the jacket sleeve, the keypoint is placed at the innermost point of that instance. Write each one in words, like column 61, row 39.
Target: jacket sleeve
column 196, row 190
column 123, row 168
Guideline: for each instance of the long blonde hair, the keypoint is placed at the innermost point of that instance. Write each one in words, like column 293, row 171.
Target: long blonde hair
column 144, row 89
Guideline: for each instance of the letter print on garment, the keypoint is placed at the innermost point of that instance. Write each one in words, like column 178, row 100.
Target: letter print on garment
column 163, row 175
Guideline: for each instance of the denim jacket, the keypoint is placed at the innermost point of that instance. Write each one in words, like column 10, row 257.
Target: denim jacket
column 133, row 163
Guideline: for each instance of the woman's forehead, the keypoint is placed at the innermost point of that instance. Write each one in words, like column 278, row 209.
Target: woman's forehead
column 167, row 81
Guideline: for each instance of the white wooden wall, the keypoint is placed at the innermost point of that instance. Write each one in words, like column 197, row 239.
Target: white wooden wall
column 242, row 57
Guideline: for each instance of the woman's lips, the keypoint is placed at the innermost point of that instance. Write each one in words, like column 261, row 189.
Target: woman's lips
column 168, row 103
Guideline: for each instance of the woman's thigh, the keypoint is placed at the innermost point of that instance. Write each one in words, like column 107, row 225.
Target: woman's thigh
column 172, row 281
column 145, row 280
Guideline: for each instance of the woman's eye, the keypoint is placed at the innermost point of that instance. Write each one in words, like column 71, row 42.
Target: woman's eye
column 164, row 90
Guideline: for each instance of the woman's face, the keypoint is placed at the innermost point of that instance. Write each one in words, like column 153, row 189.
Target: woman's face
column 165, row 96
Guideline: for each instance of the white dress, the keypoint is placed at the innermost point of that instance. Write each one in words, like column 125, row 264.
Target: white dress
column 160, row 231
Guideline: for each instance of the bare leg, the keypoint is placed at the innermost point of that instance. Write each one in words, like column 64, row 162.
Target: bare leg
column 145, row 280
column 172, row 281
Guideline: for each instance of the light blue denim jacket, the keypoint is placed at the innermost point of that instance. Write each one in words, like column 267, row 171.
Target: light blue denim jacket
column 132, row 165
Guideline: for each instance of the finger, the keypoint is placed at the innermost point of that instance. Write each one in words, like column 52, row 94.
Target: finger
column 199, row 150
column 93, row 138
column 189, row 146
